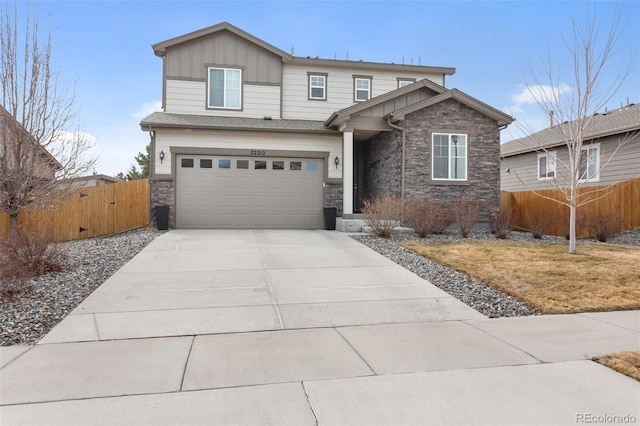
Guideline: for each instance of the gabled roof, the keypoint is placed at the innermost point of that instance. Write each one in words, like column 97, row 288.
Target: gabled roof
column 343, row 115
column 502, row 118
column 442, row 94
column 193, row 121
column 159, row 49
column 623, row 120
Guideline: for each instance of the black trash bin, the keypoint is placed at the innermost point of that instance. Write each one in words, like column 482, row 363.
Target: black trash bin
column 162, row 217
column 330, row 218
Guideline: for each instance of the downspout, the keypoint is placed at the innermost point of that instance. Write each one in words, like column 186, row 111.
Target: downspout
column 152, row 152
column 152, row 169
column 402, row 173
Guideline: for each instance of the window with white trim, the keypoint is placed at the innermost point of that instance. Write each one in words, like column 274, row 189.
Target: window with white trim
column 547, row 165
column 590, row 163
column 317, row 87
column 225, row 88
column 402, row 83
column 362, row 89
column 449, row 158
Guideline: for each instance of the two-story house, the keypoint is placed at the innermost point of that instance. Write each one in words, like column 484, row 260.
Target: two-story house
column 254, row 137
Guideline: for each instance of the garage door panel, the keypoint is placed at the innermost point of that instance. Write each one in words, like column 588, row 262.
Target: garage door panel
column 280, row 193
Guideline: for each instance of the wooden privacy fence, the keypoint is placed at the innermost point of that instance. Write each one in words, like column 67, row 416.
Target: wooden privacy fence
column 623, row 198
column 90, row 212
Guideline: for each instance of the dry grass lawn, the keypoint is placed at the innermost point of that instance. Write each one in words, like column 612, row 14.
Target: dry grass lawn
column 600, row 277
column 627, row 363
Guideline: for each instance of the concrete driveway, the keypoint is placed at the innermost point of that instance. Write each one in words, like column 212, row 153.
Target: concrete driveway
column 190, row 282
column 305, row 327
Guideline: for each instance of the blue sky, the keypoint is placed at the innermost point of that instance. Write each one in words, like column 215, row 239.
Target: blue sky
column 105, row 48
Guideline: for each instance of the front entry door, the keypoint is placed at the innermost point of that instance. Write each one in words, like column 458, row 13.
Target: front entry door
column 358, row 176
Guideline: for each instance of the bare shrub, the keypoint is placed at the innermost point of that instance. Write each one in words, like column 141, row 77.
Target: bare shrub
column 383, row 215
column 540, row 221
column 427, row 217
column 603, row 225
column 501, row 223
column 467, row 214
column 28, row 254
column 581, row 220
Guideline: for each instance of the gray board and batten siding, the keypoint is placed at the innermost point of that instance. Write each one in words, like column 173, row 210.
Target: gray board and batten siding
column 223, row 49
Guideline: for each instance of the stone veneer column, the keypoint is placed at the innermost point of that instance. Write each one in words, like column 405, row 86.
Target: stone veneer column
column 347, row 173
column 163, row 192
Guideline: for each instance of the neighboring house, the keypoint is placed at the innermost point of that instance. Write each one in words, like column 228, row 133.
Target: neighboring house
column 253, row 137
column 538, row 160
column 89, row 181
column 21, row 156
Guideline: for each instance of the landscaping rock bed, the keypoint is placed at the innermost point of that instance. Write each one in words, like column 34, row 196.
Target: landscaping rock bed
column 490, row 302
column 26, row 317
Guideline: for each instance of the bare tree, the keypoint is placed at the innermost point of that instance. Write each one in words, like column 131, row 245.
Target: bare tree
column 41, row 146
column 571, row 108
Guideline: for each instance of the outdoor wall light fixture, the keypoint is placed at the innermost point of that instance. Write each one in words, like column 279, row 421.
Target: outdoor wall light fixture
column 161, row 156
column 337, row 161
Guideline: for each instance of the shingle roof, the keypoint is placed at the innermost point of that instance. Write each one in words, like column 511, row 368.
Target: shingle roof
column 192, row 121
column 614, row 122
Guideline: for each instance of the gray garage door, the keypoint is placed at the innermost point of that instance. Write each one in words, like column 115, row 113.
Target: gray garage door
column 248, row 192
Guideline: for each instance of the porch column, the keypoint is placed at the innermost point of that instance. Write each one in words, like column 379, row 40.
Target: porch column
column 347, row 174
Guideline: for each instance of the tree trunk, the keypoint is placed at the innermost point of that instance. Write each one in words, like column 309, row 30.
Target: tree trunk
column 572, row 222
column 13, row 225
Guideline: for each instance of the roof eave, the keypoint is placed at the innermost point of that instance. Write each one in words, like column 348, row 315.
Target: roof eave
column 501, row 118
column 603, row 134
column 342, row 63
column 344, row 114
column 147, row 126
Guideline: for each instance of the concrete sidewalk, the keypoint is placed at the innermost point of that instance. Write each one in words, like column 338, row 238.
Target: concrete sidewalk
column 306, row 327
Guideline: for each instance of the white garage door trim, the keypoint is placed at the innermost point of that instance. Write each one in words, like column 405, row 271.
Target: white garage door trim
column 239, row 192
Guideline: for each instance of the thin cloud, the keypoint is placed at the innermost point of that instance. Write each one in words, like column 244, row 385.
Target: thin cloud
column 146, row 109
column 531, row 95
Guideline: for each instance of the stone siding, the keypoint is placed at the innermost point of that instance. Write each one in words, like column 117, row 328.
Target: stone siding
column 383, row 166
column 333, row 196
column 383, row 174
column 163, row 191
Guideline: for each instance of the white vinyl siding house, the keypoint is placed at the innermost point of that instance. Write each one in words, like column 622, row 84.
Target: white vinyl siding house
column 251, row 136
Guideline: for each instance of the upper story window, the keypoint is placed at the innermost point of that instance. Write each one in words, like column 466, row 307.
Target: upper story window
column 361, row 88
column 318, row 86
column 225, row 88
column 449, row 156
column 547, row 165
column 405, row 82
column 590, row 163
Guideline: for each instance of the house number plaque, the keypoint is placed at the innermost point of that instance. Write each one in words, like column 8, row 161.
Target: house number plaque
column 258, row 152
